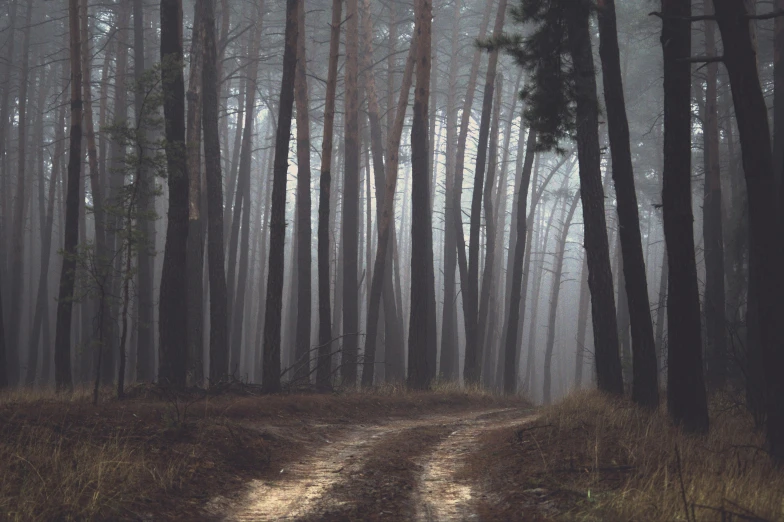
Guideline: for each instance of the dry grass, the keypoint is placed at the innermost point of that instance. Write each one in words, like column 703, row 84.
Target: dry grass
column 591, row 458
column 61, row 458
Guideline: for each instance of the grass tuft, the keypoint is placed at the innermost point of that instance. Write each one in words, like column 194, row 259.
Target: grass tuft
column 595, row 458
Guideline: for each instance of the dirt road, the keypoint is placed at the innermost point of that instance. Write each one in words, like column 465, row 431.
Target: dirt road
column 410, row 469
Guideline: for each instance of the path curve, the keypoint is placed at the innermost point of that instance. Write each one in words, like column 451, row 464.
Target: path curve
column 301, row 490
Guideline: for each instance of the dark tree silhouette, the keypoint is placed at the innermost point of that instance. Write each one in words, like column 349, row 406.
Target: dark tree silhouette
column 686, row 398
column 277, row 224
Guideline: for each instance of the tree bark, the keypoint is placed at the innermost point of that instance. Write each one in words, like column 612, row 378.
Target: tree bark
column 474, row 348
column 645, row 383
column 422, row 291
column 765, row 220
column 686, row 398
column 173, row 318
column 324, row 362
column 219, row 337
column 713, row 235
column 304, row 231
column 556, row 290
column 605, row 330
column 350, row 231
column 470, row 307
column 491, row 226
column 393, row 331
column 62, row 353
column 518, row 246
column 6, row 197
column 195, row 264
column 146, row 307
column 274, row 305
column 449, row 364
column 582, row 323
column 20, row 212
column 237, row 308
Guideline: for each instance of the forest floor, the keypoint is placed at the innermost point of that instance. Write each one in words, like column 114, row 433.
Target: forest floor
column 383, row 454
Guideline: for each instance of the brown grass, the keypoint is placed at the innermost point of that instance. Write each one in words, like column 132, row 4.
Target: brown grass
column 63, row 459
column 592, row 458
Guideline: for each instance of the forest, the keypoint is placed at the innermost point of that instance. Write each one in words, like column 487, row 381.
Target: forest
column 548, row 212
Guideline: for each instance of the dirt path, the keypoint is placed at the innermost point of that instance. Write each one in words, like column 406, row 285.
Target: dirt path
column 401, row 469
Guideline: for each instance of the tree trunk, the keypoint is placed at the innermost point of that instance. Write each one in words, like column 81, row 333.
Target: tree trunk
column 622, row 312
column 474, row 348
column 765, row 247
column 582, row 323
column 237, row 308
column 686, row 399
column 39, row 307
column 605, row 330
column 713, row 235
column 173, row 319
column 491, row 226
column 304, row 232
column 219, row 337
column 145, row 340
column 195, row 265
column 274, row 305
column 325, row 184
column 422, row 291
column 557, row 272
column 518, row 246
column 392, row 329
column 385, row 226
column 6, row 197
column 645, row 383
column 20, row 213
column 350, row 231
column 449, row 364
column 62, row 350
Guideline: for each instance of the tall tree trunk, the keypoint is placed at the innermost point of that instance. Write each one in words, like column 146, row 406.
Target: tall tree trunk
column 622, row 312
column 62, row 349
column 219, row 336
column 645, row 383
column 304, row 231
column 41, row 318
column 350, row 231
column 582, row 323
column 661, row 312
column 686, row 399
column 766, row 251
column 385, row 226
column 274, row 306
column 556, row 290
column 20, row 212
column 518, row 246
column 474, row 348
column 324, row 362
column 195, row 264
column 173, row 318
column 713, row 235
column 491, row 226
column 422, row 284
column 40, row 302
column 469, row 305
column 145, row 339
column 6, row 196
column 605, row 330
column 237, row 308
column 392, row 330
column 449, row 364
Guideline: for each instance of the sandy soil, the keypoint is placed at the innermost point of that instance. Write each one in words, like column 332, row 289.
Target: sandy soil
column 398, row 469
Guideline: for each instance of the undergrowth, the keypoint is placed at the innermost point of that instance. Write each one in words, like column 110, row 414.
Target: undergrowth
column 164, row 455
column 594, row 458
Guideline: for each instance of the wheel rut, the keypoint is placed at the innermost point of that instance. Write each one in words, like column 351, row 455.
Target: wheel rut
column 400, row 470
